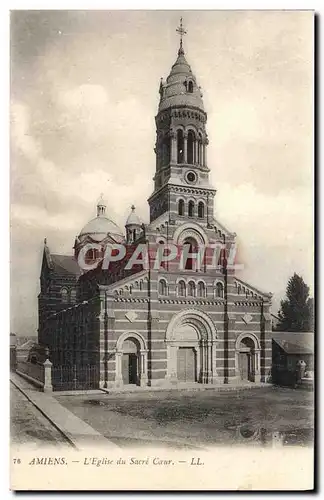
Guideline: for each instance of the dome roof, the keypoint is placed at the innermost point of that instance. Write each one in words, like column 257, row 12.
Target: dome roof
column 100, row 227
column 133, row 219
column 175, row 92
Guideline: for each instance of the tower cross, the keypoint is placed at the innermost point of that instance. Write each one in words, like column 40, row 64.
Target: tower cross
column 180, row 29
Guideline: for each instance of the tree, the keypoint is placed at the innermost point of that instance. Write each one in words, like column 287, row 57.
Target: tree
column 296, row 311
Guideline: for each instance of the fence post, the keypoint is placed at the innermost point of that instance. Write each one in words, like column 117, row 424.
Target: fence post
column 74, row 377
column 48, row 376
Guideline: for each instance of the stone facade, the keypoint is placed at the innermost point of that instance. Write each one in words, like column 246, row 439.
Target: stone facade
column 182, row 323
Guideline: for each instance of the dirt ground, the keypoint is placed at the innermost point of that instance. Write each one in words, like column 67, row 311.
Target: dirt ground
column 191, row 419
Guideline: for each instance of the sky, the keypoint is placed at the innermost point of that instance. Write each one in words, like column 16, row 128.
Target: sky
column 84, row 94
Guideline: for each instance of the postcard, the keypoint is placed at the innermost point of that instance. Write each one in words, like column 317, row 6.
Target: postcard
column 162, row 295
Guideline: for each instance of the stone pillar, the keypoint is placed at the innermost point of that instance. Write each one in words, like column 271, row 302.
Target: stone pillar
column 173, row 138
column 143, row 368
column 209, row 363
column 215, row 379
column 118, row 369
column 204, row 350
column 205, row 144
column 47, row 376
column 256, row 363
column 198, row 360
column 185, row 146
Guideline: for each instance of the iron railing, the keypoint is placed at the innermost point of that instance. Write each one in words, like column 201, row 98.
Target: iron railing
column 75, row 377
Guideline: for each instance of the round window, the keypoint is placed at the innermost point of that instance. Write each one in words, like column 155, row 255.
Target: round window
column 191, row 177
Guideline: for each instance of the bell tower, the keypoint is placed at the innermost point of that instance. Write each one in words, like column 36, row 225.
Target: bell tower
column 181, row 181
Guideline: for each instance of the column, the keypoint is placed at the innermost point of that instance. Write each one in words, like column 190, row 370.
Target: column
column 257, row 375
column 118, row 369
column 198, row 357
column 205, row 152
column 173, row 138
column 214, row 367
column 185, row 145
column 204, row 362
column 209, row 364
column 143, row 368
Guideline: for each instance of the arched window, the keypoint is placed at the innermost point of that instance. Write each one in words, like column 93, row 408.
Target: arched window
column 191, row 147
column 191, row 208
column 181, row 207
column 163, row 287
column 161, row 251
column 73, row 296
column 192, row 249
column 190, row 87
column 201, row 210
column 64, row 295
column 201, row 289
column 181, row 289
column 191, row 289
column 165, row 151
column 180, row 146
column 219, row 290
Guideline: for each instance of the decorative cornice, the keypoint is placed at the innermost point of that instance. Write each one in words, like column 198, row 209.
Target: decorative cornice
column 131, row 299
column 190, row 190
column 192, row 301
column 238, row 303
column 182, row 111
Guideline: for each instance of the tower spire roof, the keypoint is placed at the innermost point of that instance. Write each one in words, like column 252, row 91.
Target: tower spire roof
column 180, row 87
column 180, row 29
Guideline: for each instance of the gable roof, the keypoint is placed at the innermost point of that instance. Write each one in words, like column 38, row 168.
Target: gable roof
column 295, row 342
column 65, row 264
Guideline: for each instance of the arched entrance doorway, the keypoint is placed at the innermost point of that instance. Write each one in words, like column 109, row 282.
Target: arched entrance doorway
column 247, row 358
column 188, row 338
column 131, row 360
column 191, row 348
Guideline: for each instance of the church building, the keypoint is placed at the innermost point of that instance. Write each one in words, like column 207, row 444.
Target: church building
column 172, row 326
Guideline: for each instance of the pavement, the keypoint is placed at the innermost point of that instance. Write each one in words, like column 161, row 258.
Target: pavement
column 78, row 433
column 29, row 427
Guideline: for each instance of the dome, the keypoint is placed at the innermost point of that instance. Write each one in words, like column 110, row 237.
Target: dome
column 99, row 228
column 133, row 219
column 175, row 92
